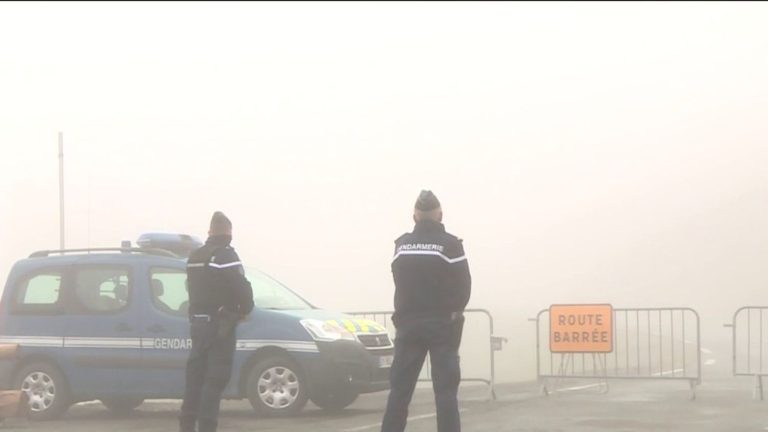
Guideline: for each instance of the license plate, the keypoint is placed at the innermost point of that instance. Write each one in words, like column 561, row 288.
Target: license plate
column 386, row 361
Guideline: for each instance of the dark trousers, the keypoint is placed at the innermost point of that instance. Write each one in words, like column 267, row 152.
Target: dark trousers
column 441, row 338
column 209, row 368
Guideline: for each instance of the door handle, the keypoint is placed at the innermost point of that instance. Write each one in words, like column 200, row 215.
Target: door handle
column 123, row 327
column 157, row 328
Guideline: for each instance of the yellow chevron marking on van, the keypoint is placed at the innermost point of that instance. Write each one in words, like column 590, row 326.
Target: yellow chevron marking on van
column 359, row 325
column 370, row 326
column 363, row 326
column 350, row 326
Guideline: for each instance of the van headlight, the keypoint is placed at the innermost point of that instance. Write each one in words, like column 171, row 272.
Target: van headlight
column 326, row 331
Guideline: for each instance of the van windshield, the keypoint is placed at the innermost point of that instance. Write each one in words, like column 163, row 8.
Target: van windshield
column 271, row 294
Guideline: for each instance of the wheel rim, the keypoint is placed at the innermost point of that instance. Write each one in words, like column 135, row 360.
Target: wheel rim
column 41, row 390
column 278, row 387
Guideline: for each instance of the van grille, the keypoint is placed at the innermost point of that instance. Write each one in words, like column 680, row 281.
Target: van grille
column 375, row 340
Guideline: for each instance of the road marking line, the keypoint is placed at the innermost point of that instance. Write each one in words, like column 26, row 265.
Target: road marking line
column 583, row 387
column 578, row 387
column 659, row 374
column 146, row 402
column 378, row 425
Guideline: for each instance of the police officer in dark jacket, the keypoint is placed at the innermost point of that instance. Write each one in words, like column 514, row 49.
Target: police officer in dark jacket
column 219, row 295
column 432, row 288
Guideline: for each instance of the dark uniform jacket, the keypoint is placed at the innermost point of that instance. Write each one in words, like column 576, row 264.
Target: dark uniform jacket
column 431, row 273
column 216, row 279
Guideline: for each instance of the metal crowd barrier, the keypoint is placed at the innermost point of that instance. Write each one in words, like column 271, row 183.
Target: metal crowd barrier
column 749, row 345
column 495, row 343
column 648, row 344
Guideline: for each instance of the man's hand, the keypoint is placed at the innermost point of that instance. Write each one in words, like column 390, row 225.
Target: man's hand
column 228, row 314
column 228, row 321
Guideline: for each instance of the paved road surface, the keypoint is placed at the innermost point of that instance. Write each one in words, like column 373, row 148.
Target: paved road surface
column 724, row 405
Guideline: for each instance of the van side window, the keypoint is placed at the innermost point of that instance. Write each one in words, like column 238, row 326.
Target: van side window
column 39, row 293
column 103, row 289
column 169, row 291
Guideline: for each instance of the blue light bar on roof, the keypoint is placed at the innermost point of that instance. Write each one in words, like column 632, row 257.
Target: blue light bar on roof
column 180, row 244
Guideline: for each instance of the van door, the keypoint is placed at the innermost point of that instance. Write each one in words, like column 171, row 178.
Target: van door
column 165, row 332
column 102, row 342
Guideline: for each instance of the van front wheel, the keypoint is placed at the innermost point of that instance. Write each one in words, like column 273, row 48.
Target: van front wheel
column 277, row 387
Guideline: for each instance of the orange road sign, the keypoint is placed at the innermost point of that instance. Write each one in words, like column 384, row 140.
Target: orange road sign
column 585, row 328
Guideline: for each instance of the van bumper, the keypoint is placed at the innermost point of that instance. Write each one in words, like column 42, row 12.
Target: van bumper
column 348, row 366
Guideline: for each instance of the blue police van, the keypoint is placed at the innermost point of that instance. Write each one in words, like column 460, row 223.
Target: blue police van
column 112, row 325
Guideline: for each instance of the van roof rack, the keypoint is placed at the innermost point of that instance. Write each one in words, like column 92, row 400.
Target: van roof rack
column 149, row 251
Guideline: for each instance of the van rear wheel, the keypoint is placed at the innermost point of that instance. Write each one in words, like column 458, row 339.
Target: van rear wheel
column 46, row 389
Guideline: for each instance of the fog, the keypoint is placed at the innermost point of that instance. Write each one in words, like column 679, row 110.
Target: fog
column 585, row 152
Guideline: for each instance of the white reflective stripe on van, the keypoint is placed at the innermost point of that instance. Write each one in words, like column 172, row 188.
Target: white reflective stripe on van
column 35, row 341
column 60, row 342
column 297, row 346
column 147, row 343
column 102, row 342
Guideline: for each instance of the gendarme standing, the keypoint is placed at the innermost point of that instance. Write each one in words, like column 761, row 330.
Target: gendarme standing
column 432, row 288
column 219, row 295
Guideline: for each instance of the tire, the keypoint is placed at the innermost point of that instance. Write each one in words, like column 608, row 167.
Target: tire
column 122, row 405
column 336, row 401
column 277, row 387
column 47, row 389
